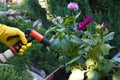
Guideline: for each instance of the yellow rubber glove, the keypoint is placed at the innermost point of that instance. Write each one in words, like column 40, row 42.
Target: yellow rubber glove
column 7, row 32
column 24, row 47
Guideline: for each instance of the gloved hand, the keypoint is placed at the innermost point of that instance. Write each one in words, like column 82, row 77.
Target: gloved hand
column 6, row 32
column 24, row 47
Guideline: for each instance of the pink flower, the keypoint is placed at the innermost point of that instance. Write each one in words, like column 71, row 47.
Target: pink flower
column 83, row 25
column 88, row 20
column 72, row 6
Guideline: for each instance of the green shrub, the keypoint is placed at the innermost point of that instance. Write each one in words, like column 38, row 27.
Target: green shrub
column 42, row 58
column 35, row 11
column 57, row 8
column 9, row 73
column 19, row 23
column 2, row 6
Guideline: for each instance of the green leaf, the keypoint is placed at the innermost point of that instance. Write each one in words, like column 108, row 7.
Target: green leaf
column 61, row 58
column 100, row 67
column 51, row 29
column 81, row 52
column 68, row 20
column 104, row 50
column 59, row 25
column 65, row 44
column 82, row 46
column 62, row 44
column 100, row 57
column 87, row 48
column 67, row 68
column 116, row 76
column 55, row 43
column 73, row 60
column 89, row 41
column 108, row 46
column 60, row 35
column 60, row 30
column 77, row 15
column 89, row 62
column 75, row 39
column 92, row 75
column 109, row 36
column 107, row 66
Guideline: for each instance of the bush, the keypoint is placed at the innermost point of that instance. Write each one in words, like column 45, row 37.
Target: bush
column 9, row 73
column 57, row 8
column 2, row 6
column 42, row 58
column 19, row 23
column 35, row 11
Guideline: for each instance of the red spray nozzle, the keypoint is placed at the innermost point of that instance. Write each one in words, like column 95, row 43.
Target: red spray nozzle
column 32, row 34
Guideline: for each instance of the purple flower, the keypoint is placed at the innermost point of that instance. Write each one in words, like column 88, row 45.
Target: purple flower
column 72, row 6
column 88, row 20
column 83, row 25
column 105, row 25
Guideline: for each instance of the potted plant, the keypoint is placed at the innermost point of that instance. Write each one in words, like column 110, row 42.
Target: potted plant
column 82, row 47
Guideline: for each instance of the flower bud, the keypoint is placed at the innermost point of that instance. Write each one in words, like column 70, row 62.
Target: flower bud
column 73, row 6
column 105, row 25
column 98, row 27
column 98, row 35
column 106, row 31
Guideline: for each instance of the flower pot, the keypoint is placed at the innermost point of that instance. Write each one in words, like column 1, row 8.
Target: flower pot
column 58, row 74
